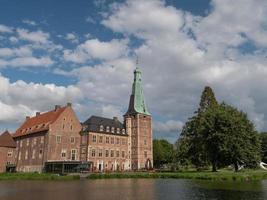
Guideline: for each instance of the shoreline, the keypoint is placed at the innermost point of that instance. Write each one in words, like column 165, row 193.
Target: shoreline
column 223, row 175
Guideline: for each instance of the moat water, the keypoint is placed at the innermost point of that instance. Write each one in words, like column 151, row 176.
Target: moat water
column 132, row 189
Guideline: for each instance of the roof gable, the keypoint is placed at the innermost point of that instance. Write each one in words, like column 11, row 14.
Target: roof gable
column 39, row 122
column 6, row 140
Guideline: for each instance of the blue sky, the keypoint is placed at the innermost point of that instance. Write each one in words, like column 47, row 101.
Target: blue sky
column 52, row 52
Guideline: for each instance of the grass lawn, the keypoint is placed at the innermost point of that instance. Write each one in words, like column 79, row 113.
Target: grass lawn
column 35, row 176
column 222, row 175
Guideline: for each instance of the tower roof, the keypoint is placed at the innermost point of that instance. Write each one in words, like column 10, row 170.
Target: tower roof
column 137, row 101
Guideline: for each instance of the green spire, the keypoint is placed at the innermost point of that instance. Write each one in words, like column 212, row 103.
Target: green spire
column 137, row 100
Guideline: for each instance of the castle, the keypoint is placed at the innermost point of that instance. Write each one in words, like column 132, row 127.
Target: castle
column 56, row 141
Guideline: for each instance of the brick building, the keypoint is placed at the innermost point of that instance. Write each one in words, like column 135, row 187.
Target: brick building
column 7, row 152
column 105, row 144
column 138, row 123
column 48, row 140
column 111, row 145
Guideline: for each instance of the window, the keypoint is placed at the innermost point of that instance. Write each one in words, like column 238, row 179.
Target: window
column 34, row 141
column 19, row 155
column 107, row 153
column 112, row 153
column 118, row 154
column 94, row 138
column 63, row 126
column 123, row 141
column 28, row 141
column 107, row 140
column 26, row 155
column 70, row 127
column 112, row 140
column 117, row 140
column 118, row 130
column 9, row 154
column 112, row 130
column 93, row 153
column 73, row 154
column 133, row 141
column 100, row 140
column 123, row 131
column 145, row 154
column 33, row 153
column 101, row 128
column 72, row 140
column 42, row 139
column 58, row 138
column 123, row 154
column 21, row 143
column 107, row 129
column 63, row 153
column 144, row 142
column 100, row 153
column 40, row 153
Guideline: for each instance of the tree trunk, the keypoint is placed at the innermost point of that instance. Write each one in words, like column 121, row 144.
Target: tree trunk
column 236, row 166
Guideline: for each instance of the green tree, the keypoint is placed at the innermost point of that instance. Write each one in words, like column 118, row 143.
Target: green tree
column 191, row 146
column 263, row 140
column 208, row 100
column 230, row 137
column 220, row 135
column 163, row 152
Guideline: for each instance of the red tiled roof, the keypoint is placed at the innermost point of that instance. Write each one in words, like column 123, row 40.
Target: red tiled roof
column 39, row 123
column 6, row 140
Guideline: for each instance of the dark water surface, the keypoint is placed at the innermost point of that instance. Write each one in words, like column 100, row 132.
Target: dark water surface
column 132, row 189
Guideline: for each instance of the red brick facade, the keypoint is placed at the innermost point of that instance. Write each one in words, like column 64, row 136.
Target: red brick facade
column 59, row 142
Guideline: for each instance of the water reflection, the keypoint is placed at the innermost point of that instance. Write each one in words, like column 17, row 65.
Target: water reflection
column 131, row 189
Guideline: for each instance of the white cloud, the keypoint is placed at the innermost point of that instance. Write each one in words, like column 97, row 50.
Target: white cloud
column 72, row 37
column 95, row 49
column 168, row 126
column 34, row 36
column 21, row 51
column 90, row 20
column 5, row 29
column 29, row 22
column 19, row 98
column 31, row 62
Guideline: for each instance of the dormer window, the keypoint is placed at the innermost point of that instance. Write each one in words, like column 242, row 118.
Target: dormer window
column 112, row 130
column 123, row 131
column 107, row 129
column 118, row 130
column 101, row 128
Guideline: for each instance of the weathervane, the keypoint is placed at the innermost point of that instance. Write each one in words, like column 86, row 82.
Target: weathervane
column 137, row 60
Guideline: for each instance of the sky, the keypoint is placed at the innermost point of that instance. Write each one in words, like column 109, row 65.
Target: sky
column 84, row 52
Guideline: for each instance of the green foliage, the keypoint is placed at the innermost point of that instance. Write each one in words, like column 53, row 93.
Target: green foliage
column 207, row 100
column 263, row 140
column 219, row 135
column 163, row 152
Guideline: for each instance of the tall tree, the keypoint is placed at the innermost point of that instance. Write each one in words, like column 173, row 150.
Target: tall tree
column 263, row 140
column 230, row 138
column 208, row 100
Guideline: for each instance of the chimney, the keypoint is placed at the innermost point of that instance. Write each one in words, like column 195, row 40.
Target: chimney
column 115, row 119
column 27, row 117
column 57, row 107
column 38, row 113
column 69, row 104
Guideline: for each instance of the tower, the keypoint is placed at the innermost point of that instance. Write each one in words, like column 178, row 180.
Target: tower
column 138, row 125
